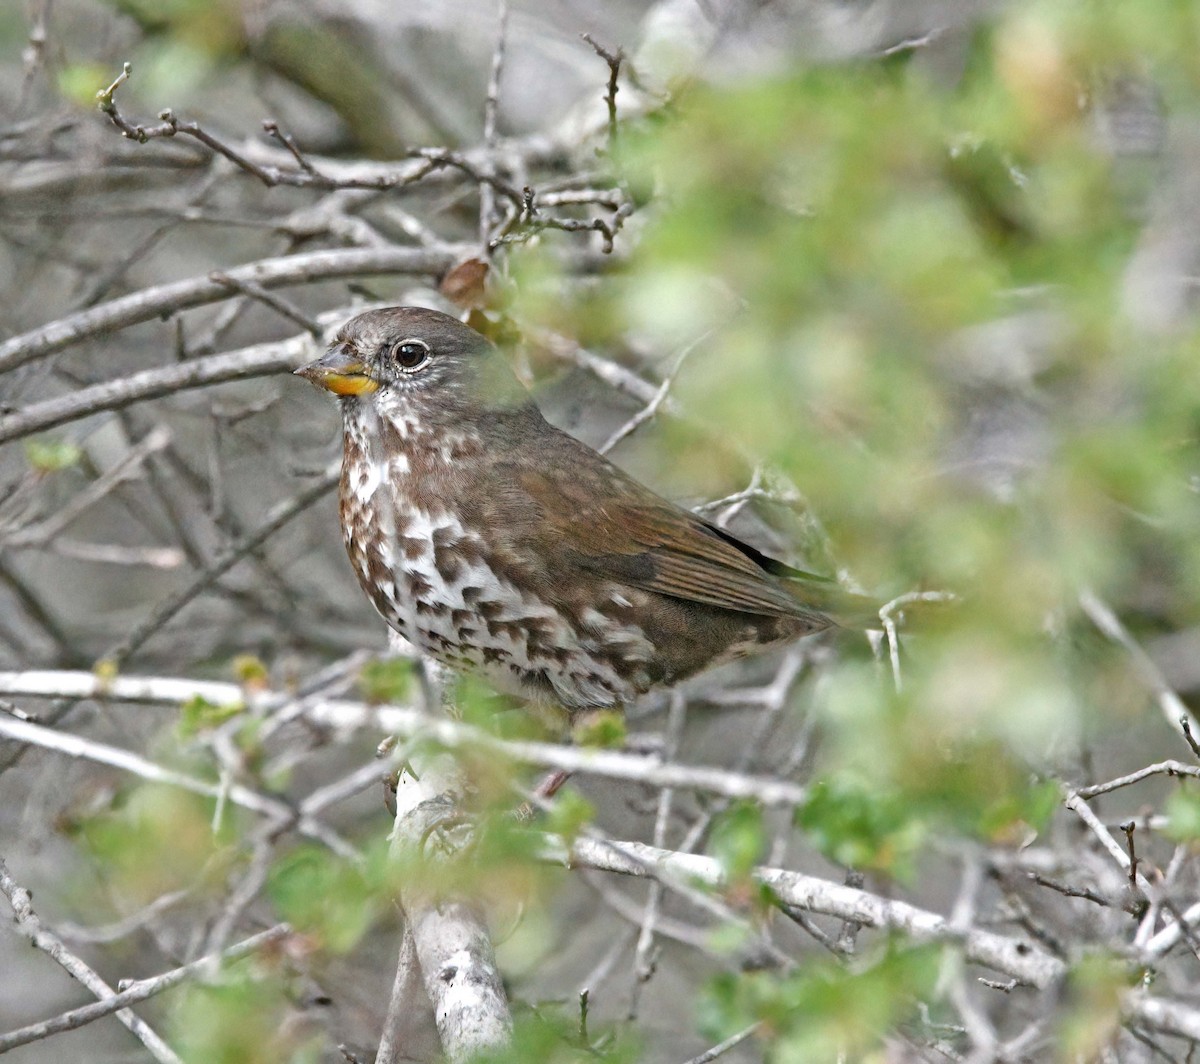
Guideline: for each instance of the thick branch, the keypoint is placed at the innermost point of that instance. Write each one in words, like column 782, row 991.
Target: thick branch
column 448, row 937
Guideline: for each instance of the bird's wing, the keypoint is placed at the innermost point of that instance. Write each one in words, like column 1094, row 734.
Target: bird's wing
column 590, row 514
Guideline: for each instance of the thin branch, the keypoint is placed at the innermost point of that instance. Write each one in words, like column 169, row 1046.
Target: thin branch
column 261, row 360
column 1070, row 892
column 411, row 723
column 49, row 529
column 1076, row 803
column 614, row 60
column 487, row 194
column 648, row 412
column 1012, row 956
column 166, row 299
column 139, row 991
column 1102, row 616
column 306, row 175
column 29, row 925
column 1167, row 768
column 221, row 564
column 280, row 306
column 644, row 955
column 721, row 1048
column 103, row 754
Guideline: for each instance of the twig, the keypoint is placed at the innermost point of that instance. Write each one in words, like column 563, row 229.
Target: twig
column 1186, row 725
column 1076, row 803
column 721, row 1048
column 1012, row 956
column 1070, row 892
column 103, row 754
column 651, row 408
column 119, row 929
column 614, row 60
column 487, row 193
column 608, row 230
column 280, row 306
column 49, row 529
column 259, row 361
column 644, row 961
column 1165, row 940
column 1107, row 621
column 271, row 128
column 1128, row 827
column 1168, row 768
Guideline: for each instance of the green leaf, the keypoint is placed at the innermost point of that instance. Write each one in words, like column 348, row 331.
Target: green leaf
column 1183, row 815
column 824, row 1012
column 601, row 728
column 197, row 715
column 48, row 455
column 386, row 680
column 739, row 840
column 569, row 814
column 861, row 827
column 324, row 895
column 79, row 82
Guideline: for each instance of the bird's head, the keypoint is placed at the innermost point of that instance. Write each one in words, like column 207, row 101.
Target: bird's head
column 402, row 357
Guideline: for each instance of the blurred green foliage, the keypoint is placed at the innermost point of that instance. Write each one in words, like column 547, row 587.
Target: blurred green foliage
column 886, row 255
column 554, row 1036
column 825, row 1012
column 48, row 455
column 383, row 680
column 1183, row 816
column 880, row 256
column 244, row 1019
column 739, row 840
column 154, row 839
column 327, row 897
column 198, row 714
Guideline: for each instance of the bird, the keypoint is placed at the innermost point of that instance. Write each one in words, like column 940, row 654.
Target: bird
column 500, row 545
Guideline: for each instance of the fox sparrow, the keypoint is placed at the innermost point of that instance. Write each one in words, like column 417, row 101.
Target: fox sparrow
column 496, row 543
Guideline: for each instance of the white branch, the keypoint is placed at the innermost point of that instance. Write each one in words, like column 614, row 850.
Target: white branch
column 345, row 715
column 1015, row 957
column 449, row 938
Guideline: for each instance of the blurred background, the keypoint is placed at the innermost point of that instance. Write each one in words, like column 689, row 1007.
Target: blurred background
column 901, row 292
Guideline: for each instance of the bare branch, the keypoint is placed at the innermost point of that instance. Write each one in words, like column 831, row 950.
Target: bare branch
column 171, row 298
column 102, row 753
column 1102, row 616
column 449, row 939
column 409, row 723
column 221, row 564
column 139, row 991
column 1014, row 957
column 29, row 925
column 614, row 61
column 259, row 361
column 487, row 196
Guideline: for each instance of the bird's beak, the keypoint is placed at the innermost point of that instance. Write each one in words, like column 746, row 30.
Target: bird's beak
column 340, row 371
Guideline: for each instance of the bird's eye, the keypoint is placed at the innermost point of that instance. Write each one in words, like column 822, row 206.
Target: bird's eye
column 410, row 354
